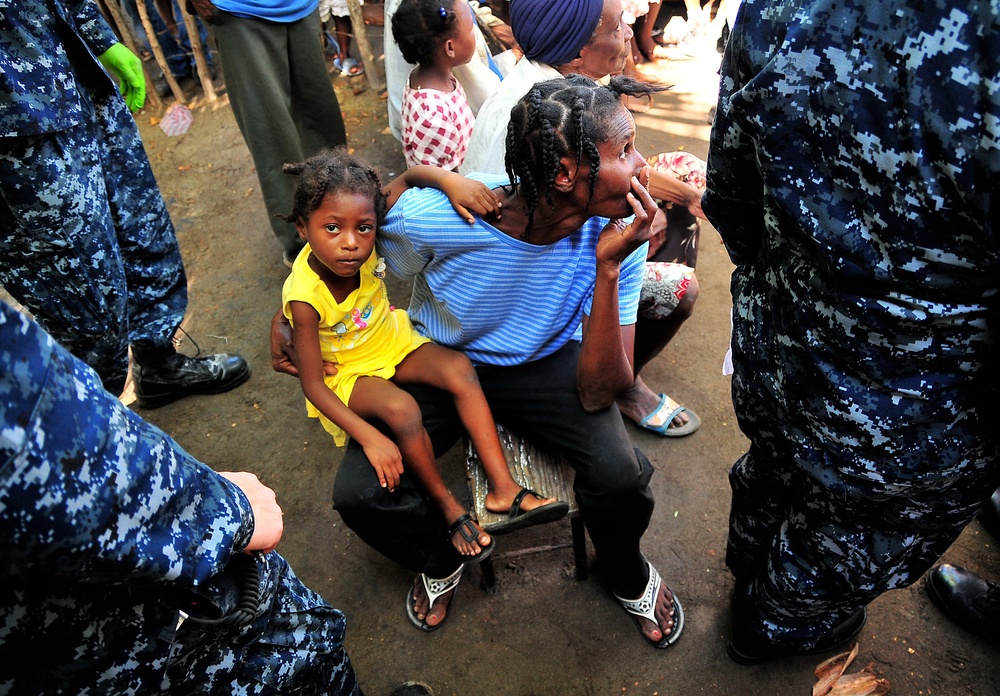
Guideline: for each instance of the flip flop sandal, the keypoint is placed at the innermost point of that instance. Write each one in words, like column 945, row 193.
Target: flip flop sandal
column 664, row 429
column 519, row 519
column 352, row 68
column 434, row 588
column 467, row 528
column 645, row 607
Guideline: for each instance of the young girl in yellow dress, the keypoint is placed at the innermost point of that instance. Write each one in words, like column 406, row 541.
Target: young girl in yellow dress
column 337, row 303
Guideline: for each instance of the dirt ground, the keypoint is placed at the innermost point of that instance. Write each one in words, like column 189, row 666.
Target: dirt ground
column 542, row 631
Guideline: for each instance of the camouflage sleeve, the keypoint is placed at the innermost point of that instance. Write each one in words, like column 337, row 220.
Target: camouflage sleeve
column 733, row 200
column 91, row 25
column 91, row 492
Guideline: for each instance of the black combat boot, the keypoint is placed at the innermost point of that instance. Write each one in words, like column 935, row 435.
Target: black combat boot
column 162, row 375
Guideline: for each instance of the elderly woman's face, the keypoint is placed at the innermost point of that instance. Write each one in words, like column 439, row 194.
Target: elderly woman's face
column 620, row 161
column 607, row 52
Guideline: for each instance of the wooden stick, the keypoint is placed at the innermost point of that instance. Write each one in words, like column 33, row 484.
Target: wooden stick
column 154, row 44
column 204, row 72
column 373, row 69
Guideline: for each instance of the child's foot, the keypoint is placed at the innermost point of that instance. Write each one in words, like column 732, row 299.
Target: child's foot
column 524, row 513
column 529, row 500
column 469, row 539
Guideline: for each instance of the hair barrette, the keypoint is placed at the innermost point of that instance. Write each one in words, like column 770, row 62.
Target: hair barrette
column 444, row 12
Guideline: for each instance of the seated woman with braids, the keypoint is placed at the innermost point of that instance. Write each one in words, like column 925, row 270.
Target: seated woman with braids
column 543, row 300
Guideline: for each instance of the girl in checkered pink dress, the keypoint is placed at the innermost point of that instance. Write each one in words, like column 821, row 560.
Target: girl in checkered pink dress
column 436, row 35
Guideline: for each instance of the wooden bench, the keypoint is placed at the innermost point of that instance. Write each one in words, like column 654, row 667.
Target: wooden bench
column 540, row 471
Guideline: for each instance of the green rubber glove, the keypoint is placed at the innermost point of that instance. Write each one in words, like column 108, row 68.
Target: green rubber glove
column 126, row 66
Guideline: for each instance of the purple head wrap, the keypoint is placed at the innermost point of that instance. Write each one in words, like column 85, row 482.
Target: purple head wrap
column 554, row 31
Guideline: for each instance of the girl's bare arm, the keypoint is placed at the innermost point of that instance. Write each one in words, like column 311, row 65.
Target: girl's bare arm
column 467, row 196
column 381, row 451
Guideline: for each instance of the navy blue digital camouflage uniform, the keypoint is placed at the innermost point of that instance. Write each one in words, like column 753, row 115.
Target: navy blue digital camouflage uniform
column 87, row 246
column 105, row 525
column 853, row 174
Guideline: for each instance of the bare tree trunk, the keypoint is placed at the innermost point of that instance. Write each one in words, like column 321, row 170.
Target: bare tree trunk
column 373, row 69
column 204, row 72
column 154, row 44
column 128, row 38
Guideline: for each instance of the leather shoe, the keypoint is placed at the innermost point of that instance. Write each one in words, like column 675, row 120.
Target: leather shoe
column 162, row 381
column 967, row 599
column 989, row 516
column 750, row 649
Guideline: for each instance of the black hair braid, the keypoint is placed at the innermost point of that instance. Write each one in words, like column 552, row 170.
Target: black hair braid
column 420, row 26
column 586, row 150
column 563, row 117
column 331, row 172
column 550, row 159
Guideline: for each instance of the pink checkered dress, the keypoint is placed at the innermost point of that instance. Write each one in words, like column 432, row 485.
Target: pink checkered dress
column 436, row 126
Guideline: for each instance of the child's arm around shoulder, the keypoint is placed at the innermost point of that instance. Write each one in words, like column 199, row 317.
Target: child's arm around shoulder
column 467, row 196
column 381, row 451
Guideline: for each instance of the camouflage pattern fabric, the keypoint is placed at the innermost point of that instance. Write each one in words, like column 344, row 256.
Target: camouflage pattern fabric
column 88, row 246
column 105, row 525
column 854, row 174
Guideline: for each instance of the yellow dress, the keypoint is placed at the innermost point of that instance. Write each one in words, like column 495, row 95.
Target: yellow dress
column 363, row 335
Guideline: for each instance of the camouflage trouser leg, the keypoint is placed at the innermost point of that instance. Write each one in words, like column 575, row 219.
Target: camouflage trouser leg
column 296, row 645
column 88, row 246
column 805, row 558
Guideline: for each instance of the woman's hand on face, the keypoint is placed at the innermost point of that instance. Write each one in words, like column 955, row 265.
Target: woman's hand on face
column 619, row 238
column 468, row 196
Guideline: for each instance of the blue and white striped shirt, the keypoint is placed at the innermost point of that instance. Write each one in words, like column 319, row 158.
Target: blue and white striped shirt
column 498, row 299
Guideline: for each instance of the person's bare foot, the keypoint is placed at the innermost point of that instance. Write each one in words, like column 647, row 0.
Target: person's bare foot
column 664, row 611
column 640, row 401
column 467, row 537
column 431, row 615
column 661, row 625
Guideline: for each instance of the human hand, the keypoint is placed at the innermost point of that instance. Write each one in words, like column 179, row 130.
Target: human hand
column 385, row 459
column 203, row 8
column 126, row 66
column 468, row 196
column 619, row 239
column 268, row 525
column 694, row 204
column 283, row 349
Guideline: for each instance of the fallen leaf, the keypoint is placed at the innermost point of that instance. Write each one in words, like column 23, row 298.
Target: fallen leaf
column 829, row 671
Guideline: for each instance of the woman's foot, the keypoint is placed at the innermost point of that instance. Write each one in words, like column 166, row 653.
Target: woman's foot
column 657, row 613
column 432, row 616
column 429, row 599
column 640, row 401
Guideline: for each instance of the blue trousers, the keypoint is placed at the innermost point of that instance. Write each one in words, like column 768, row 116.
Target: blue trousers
column 88, row 246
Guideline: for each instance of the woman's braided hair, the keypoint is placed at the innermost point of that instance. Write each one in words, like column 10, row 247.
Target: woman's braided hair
column 563, row 117
column 333, row 171
column 420, row 26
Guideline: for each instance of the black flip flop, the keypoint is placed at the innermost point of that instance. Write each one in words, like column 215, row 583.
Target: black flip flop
column 519, row 519
column 467, row 528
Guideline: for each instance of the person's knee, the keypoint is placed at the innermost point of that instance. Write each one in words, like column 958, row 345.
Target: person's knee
column 685, row 308
column 615, row 474
column 402, row 415
column 460, row 376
